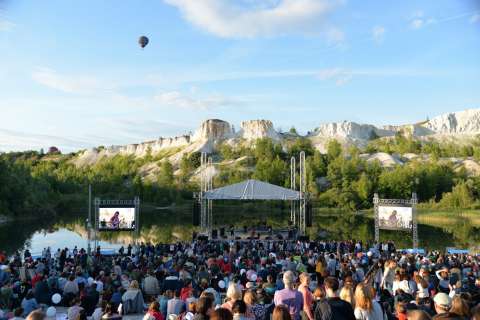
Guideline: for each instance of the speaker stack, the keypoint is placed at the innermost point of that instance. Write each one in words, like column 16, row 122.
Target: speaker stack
column 196, row 214
column 214, row 234
column 309, row 215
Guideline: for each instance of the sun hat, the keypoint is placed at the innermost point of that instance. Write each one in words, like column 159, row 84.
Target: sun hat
column 442, row 299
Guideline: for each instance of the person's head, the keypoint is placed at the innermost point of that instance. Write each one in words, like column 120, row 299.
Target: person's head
column 442, row 302
column 319, row 293
column 363, row 297
column 192, row 307
column 289, row 279
column 418, row 315
column 36, row 315
column 233, row 292
column 134, row 284
column 281, row 313
column 29, row 295
column 208, row 294
column 18, row 312
column 221, row 314
column 401, row 307
column 346, row 294
column 239, row 307
column 169, row 293
column 177, row 293
column 154, row 306
column 304, row 279
column 476, row 313
column 204, row 306
column 460, row 307
column 250, row 298
column 331, row 286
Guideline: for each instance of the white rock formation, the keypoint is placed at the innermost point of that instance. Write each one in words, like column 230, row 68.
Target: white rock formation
column 214, row 130
column 385, row 159
column 453, row 127
column 257, row 129
column 463, row 122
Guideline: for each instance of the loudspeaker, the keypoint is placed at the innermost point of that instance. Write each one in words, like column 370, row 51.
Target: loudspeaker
column 222, row 232
column 214, row 233
column 303, row 238
column 196, row 214
column 309, row 215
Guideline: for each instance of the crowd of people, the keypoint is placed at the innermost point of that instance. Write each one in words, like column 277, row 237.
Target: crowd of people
column 242, row 280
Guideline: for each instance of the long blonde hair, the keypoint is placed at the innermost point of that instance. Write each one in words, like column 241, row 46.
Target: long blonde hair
column 346, row 294
column 250, row 298
column 233, row 292
column 363, row 297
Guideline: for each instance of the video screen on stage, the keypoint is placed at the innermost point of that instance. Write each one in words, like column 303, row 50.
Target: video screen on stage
column 395, row 218
column 116, row 218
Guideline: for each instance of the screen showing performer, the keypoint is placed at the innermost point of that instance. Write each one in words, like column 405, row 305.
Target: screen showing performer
column 395, row 218
column 111, row 219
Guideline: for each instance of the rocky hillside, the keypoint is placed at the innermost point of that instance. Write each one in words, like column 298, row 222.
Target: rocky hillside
column 456, row 126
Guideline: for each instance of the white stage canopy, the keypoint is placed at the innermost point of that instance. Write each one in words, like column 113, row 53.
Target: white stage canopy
column 252, row 190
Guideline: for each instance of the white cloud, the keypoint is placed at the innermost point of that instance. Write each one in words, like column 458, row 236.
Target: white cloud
column 12, row 140
column 244, row 19
column 338, row 75
column 416, row 23
column 418, row 19
column 475, row 18
column 342, row 76
column 70, row 84
column 378, row 33
column 6, row 25
column 184, row 101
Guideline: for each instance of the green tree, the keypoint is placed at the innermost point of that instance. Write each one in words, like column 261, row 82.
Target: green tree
column 165, row 175
column 274, row 172
column 334, row 149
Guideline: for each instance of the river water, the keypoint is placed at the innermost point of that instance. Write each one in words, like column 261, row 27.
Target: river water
column 68, row 229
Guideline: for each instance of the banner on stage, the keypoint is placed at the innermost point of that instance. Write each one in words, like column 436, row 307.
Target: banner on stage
column 395, row 217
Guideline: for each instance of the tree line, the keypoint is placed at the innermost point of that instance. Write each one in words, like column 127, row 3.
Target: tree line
column 44, row 183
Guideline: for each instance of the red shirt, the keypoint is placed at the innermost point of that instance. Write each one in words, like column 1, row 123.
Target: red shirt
column 185, row 292
column 402, row 316
column 36, row 279
column 156, row 314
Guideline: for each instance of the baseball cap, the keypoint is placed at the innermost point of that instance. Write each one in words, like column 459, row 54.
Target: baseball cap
column 442, row 299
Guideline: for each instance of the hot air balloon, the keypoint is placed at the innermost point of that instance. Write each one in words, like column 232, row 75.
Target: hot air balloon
column 143, row 41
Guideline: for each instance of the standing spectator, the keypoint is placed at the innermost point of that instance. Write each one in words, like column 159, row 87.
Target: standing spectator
column 442, row 304
column 307, row 295
column 132, row 299
column 254, row 309
column 239, row 310
column 150, row 285
column 29, row 303
column 281, row 313
column 36, row 315
column 221, row 314
column 233, row 294
column 153, row 312
column 176, row 305
column 110, row 314
column 366, row 308
column 204, row 309
column 289, row 296
column 333, row 307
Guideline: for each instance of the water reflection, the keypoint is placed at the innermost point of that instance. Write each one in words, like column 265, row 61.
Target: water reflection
column 166, row 226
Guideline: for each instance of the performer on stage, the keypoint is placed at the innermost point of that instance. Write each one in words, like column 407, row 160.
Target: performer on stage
column 115, row 220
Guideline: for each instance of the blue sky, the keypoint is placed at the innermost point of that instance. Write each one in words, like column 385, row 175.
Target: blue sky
column 73, row 75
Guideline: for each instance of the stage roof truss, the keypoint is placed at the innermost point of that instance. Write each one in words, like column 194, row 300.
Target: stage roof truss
column 252, row 190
